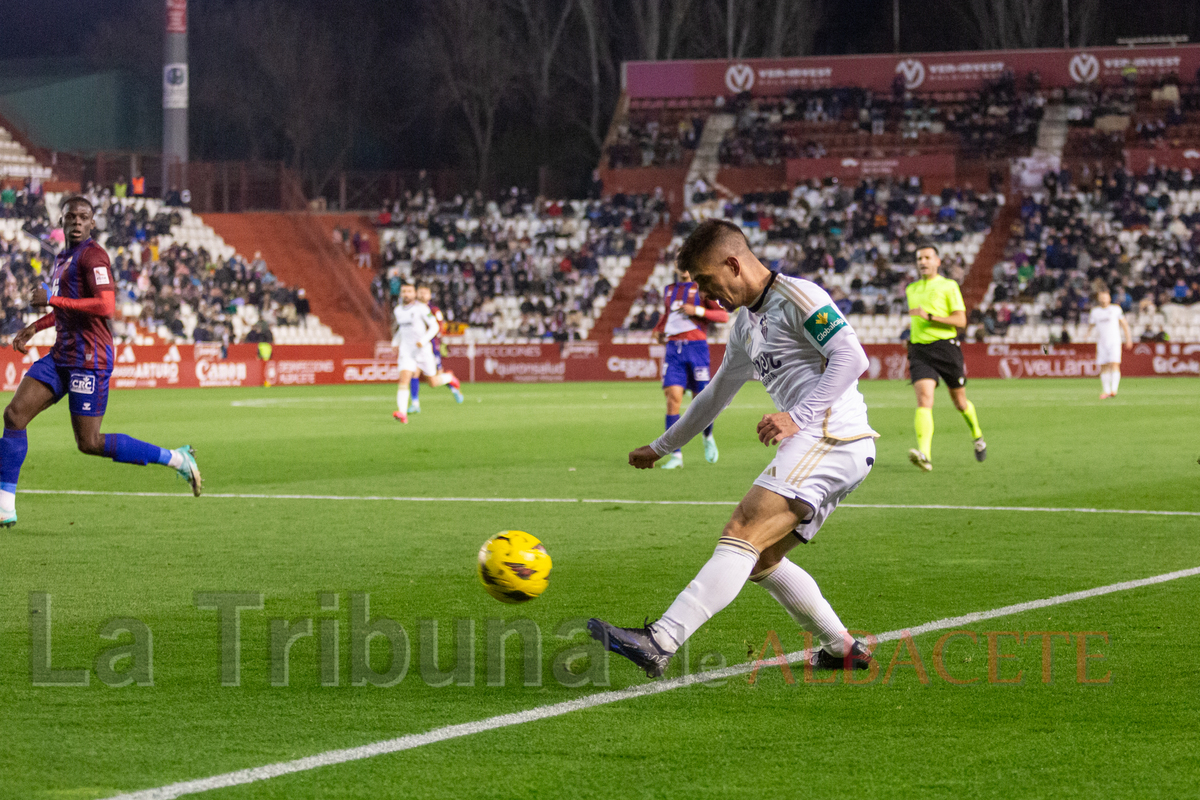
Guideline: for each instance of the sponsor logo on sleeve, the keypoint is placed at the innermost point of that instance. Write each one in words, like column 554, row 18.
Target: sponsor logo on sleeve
column 824, row 324
column 101, row 276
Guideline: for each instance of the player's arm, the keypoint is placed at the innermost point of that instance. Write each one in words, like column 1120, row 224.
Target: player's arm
column 708, row 310
column 659, row 331
column 736, row 369
column 431, row 329
column 957, row 318
column 22, row 338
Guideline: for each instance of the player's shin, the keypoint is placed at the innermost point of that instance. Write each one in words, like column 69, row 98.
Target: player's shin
column 713, row 588
column 799, row 594
column 1114, row 378
column 127, row 450
column 924, row 426
column 972, row 421
column 13, row 447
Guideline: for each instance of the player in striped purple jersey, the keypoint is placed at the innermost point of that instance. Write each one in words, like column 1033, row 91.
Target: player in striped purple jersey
column 81, row 301
column 683, row 326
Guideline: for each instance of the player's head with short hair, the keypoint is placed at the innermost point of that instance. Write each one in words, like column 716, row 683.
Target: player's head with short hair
column 408, row 292
column 718, row 258
column 928, row 259
column 424, row 292
column 1103, row 298
column 711, row 238
column 78, row 219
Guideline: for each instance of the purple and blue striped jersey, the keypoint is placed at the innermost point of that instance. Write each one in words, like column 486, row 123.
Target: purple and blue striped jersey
column 84, row 340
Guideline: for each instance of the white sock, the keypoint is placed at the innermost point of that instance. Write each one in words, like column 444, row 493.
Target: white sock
column 796, row 591
column 1114, row 379
column 175, row 463
column 1104, row 382
column 402, row 399
column 8, row 501
column 713, row 588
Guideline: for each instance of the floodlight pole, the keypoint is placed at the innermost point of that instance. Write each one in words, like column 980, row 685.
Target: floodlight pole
column 896, row 25
column 1066, row 25
column 175, row 98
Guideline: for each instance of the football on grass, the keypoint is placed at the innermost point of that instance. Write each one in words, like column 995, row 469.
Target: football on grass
column 514, row 566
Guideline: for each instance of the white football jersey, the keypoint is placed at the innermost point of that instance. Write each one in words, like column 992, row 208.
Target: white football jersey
column 1108, row 322
column 785, row 345
column 415, row 325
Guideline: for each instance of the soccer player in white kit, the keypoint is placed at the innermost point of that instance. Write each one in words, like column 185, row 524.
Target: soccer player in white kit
column 415, row 329
column 789, row 335
column 1108, row 324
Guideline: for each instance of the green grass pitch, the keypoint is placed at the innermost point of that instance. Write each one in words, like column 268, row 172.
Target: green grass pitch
column 1129, row 731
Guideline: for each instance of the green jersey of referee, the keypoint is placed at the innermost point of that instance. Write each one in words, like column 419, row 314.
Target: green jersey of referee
column 937, row 310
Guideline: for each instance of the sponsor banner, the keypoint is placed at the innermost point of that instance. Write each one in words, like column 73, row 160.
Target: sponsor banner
column 1138, row 160
column 930, row 166
column 1011, row 361
column 921, row 72
column 208, row 366
column 158, row 367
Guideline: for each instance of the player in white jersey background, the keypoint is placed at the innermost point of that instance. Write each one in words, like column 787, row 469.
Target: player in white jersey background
column 789, row 335
column 416, row 328
column 1109, row 324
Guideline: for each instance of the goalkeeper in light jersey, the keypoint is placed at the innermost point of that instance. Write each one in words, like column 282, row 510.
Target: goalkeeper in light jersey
column 788, row 335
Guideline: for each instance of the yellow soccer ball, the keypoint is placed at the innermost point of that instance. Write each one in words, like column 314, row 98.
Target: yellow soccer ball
column 514, row 566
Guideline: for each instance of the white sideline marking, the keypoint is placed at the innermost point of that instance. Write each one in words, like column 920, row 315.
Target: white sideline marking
column 415, row 740
column 255, row 496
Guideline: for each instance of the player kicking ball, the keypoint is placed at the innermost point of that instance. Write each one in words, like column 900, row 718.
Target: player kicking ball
column 788, row 335
column 1109, row 325
column 415, row 331
column 81, row 301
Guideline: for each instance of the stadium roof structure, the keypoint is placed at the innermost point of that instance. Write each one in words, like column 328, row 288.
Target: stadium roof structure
column 70, row 106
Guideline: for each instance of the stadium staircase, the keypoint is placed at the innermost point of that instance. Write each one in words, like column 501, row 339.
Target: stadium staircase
column 706, row 163
column 300, row 250
column 975, row 285
column 631, row 284
column 1052, row 131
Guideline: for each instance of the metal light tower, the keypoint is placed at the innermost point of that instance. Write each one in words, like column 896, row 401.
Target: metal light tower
column 175, row 98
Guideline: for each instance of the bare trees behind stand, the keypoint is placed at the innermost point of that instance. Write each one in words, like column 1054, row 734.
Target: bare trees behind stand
column 504, row 91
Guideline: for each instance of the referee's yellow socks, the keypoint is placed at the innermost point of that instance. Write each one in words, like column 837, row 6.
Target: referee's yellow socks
column 972, row 420
column 924, row 426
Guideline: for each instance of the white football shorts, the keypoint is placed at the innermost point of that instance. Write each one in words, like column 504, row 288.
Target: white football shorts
column 418, row 359
column 818, row 471
column 1108, row 351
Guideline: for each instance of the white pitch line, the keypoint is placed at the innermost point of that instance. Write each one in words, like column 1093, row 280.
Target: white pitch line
column 400, row 499
column 411, row 741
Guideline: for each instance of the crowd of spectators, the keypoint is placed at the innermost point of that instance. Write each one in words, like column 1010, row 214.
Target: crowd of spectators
column 515, row 266
column 171, row 289
column 1138, row 236
column 647, row 141
column 1000, row 120
column 859, row 241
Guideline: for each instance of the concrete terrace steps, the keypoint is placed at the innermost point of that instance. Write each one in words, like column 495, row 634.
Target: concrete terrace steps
column 298, row 248
column 976, row 283
column 631, row 284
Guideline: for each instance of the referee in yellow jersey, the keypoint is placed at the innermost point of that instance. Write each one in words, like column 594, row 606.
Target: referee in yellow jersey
column 937, row 310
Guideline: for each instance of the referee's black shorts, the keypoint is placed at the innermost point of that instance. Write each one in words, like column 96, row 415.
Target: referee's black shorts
column 942, row 358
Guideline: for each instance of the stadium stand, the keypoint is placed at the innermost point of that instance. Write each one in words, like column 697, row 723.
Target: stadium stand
column 1136, row 235
column 858, row 242
column 177, row 280
column 517, row 270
